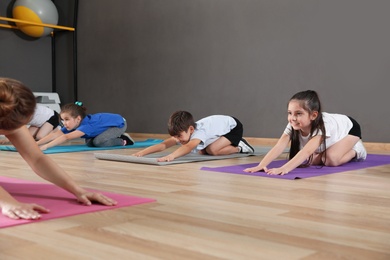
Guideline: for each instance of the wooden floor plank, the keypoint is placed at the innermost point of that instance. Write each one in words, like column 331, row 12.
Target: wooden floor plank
column 210, row 215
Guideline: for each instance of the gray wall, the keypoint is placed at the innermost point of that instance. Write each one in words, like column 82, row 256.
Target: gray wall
column 29, row 59
column 24, row 58
column 147, row 58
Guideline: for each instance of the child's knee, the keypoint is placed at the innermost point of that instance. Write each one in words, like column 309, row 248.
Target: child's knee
column 332, row 161
column 211, row 150
column 89, row 142
column 97, row 143
column 39, row 137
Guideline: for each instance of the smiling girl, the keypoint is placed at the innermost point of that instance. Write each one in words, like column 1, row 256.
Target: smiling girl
column 98, row 130
column 317, row 138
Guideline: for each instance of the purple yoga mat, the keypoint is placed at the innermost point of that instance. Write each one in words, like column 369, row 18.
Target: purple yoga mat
column 302, row 173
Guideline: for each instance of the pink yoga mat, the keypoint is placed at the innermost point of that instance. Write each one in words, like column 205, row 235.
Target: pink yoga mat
column 60, row 202
column 301, row 173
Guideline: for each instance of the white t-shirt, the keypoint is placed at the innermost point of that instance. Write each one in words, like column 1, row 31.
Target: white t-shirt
column 41, row 115
column 337, row 127
column 210, row 128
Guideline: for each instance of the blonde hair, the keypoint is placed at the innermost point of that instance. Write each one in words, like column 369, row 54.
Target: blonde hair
column 17, row 104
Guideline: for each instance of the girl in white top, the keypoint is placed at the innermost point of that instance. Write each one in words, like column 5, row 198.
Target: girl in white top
column 43, row 122
column 213, row 135
column 317, row 138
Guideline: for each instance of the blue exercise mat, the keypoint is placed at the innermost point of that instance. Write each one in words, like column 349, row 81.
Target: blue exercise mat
column 83, row 147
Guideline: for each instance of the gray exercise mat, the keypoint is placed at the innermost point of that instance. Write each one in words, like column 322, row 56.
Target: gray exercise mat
column 152, row 158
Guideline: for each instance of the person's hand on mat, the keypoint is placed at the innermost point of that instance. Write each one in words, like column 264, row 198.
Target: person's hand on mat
column 256, row 169
column 23, row 211
column 167, row 158
column 277, row 171
column 87, row 197
column 138, row 154
column 4, row 141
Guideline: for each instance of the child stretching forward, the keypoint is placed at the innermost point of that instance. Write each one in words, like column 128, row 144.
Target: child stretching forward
column 99, row 130
column 317, row 138
column 43, row 121
column 17, row 104
column 213, row 135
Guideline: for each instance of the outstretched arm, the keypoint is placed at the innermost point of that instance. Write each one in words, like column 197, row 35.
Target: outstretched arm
column 182, row 150
column 157, row 147
column 4, row 141
column 14, row 209
column 51, row 136
column 61, row 138
column 49, row 170
column 299, row 158
column 272, row 154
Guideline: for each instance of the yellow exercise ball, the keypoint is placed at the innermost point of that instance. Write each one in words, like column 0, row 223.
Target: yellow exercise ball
column 37, row 11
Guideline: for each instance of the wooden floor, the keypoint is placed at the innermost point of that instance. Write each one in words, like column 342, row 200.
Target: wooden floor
column 208, row 215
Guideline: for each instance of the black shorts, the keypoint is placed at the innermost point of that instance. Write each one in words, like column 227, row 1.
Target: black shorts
column 235, row 135
column 54, row 120
column 355, row 130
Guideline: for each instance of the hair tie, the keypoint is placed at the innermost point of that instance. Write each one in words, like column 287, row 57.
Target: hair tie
column 79, row 103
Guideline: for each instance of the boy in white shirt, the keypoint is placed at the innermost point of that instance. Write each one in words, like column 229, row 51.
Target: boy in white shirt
column 213, row 135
